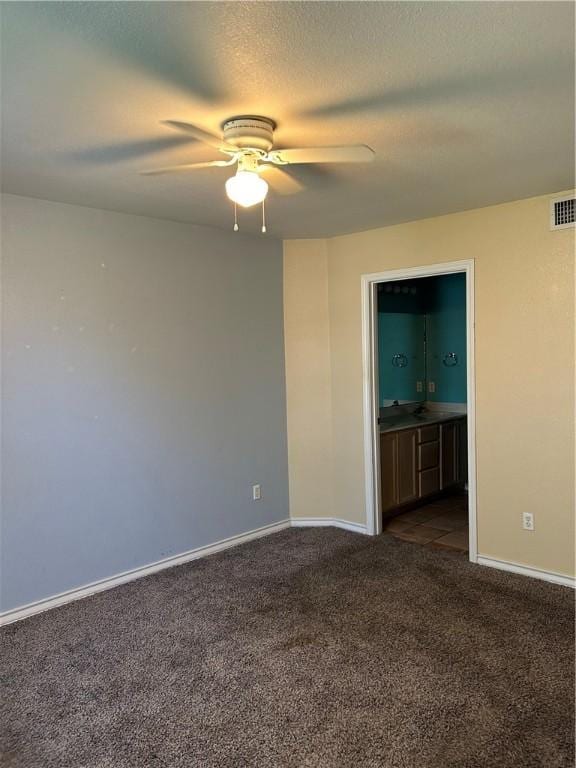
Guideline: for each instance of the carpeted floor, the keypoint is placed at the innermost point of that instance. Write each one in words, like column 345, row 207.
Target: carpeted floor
column 312, row 647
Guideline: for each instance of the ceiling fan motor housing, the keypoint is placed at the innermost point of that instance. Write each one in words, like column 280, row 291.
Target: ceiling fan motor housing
column 249, row 132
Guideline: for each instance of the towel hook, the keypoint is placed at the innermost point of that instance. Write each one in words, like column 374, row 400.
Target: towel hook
column 399, row 360
column 450, row 359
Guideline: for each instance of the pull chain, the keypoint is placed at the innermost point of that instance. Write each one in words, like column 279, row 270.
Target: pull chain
column 263, row 217
column 235, row 218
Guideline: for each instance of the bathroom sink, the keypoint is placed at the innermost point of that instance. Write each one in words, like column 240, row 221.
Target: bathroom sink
column 405, row 420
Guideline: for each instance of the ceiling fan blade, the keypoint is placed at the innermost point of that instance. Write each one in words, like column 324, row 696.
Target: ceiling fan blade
column 352, row 154
column 188, row 167
column 201, row 135
column 125, row 151
column 459, row 87
column 280, row 181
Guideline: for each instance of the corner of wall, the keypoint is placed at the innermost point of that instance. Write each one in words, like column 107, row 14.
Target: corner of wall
column 308, row 379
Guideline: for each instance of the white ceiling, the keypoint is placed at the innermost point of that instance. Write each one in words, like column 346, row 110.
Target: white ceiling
column 465, row 103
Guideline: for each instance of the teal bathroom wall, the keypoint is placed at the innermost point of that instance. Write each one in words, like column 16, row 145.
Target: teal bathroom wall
column 401, row 333
column 446, row 333
column 424, row 320
column 401, row 328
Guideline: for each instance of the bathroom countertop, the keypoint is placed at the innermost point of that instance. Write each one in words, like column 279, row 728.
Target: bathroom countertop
column 409, row 421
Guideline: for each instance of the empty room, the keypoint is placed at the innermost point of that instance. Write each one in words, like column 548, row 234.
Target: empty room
column 287, row 384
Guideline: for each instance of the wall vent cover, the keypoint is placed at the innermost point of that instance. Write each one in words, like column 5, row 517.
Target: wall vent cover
column 562, row 212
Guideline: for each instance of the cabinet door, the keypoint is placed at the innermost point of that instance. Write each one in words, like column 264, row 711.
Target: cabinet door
column 462, row 442
column 449, row 454
column 388, row 470
column 429, row 482
column 407, row 469
column 429, row 455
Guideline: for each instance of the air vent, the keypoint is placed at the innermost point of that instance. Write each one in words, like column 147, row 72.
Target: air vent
column 562, row 212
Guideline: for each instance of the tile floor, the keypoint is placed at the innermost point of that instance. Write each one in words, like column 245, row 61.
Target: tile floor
column 442, row 524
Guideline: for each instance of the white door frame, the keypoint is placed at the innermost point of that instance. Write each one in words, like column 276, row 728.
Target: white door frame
column 371, row 399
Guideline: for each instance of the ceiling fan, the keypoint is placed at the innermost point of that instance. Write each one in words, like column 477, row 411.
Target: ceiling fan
column 248, row 141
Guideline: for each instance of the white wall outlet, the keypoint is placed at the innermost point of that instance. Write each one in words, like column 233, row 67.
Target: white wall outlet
column 431, row 386
column 256, row 493
column 418, row 386
column 528, row 521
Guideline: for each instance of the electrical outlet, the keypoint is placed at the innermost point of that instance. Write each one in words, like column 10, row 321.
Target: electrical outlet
column 418, row 386
column 431, row 386
column 256, row 493
column 528, row 521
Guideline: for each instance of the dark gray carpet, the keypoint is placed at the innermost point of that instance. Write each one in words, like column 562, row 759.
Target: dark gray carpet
column 312, row 647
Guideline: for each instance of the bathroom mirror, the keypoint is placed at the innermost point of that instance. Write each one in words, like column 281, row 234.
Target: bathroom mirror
column 422, row 341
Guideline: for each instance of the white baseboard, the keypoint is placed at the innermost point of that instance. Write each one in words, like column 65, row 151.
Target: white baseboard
column 136, row 573
column 524, row 570
column 313, row 522
column 23, row 612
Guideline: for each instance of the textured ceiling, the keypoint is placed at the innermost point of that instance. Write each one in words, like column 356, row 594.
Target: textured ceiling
column 466, row 104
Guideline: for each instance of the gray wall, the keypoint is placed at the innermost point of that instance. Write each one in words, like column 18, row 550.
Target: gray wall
column 143, row 392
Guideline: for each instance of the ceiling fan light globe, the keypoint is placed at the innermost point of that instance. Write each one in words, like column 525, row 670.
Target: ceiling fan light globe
column 246, row 188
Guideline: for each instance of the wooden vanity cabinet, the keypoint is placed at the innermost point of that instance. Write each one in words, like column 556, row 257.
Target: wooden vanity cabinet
column 417, row 463
column 462, row 451
column 389, row 470
column 398, row 468
column 449, row 452
column 454, row 453
column 407, row 469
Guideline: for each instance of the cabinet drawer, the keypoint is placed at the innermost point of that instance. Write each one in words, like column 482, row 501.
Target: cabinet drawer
column 429, row 455
column 429, row 481
column 428, row 434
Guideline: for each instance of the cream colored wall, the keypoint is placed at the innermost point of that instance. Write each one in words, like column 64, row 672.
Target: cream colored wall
column 308, row 395
column 524, row 369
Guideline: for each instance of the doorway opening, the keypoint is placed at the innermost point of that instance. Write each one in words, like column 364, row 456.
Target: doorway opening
column 419, row 405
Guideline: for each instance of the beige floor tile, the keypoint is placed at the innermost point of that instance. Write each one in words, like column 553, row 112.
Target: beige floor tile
column 457, row 539
column 397, row 525
column 420, row 515
column 421, row 534
column 448, row 522
column 445, row 548
column 442, row 523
